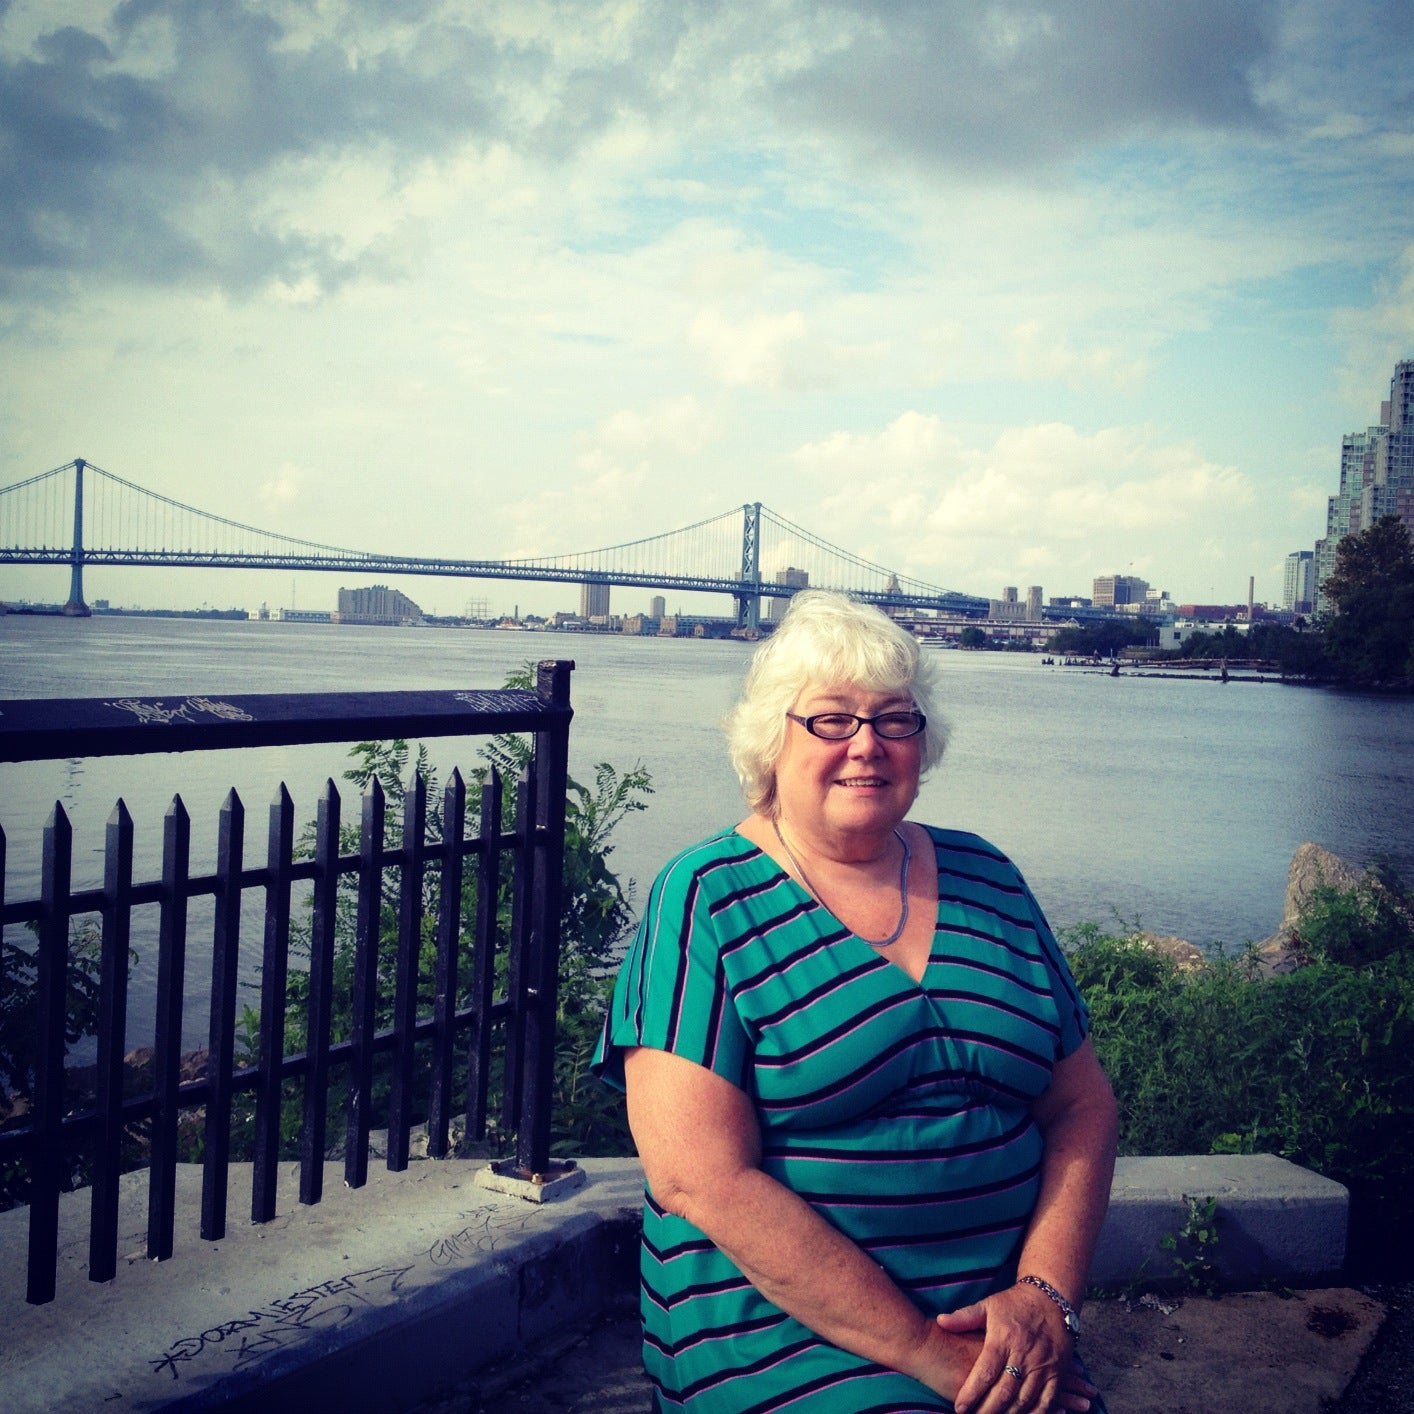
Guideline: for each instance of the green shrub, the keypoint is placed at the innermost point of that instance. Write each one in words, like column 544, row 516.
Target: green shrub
column 1317, row 1065
column 1356, row 926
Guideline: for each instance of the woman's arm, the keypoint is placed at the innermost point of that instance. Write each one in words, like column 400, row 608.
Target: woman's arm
column 699, row 1140
column 1024, row 1328
column 1077, row 1116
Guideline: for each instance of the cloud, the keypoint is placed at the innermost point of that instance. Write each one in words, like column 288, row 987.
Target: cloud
column 143, row 140
column 630, row 448
column 998, row 88
column 622, row 469
column 281, row 493
column 756, row 352
column 1310, row 498
column 945, row 508
column 140, row 147
column 1376, row 335
column 678, row 427
column 1043, row 356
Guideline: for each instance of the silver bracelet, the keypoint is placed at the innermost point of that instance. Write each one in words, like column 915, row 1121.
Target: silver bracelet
column 1072, row 1316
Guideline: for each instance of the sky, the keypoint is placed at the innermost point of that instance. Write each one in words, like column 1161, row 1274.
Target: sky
column 988, row 293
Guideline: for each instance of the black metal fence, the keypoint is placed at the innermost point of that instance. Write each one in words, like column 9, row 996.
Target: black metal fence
column 41, row 1143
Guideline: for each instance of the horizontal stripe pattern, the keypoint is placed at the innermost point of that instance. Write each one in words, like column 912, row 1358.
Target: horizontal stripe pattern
column 901, row 1111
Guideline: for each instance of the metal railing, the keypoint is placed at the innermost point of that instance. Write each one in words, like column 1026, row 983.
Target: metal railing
column 43, row 1141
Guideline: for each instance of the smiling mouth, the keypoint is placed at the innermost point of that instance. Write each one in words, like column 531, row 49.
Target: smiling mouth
column 862, row 782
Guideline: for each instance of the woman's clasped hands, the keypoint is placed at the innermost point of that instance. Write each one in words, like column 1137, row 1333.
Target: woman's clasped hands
column 1027, row 1364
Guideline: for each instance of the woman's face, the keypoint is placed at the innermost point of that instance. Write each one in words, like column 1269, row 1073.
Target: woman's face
column 861, row 786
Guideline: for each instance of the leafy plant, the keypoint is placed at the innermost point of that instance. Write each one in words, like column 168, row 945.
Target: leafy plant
column 1317, row 1066
column 596, row 914
column 1356, row 926
column 19, row 1008
column 1193, row 1247
column 19, row 1034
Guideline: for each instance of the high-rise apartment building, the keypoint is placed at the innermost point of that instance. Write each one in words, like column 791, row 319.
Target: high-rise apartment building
column 1376, row 477
column 1392, row 491
column 1298, row 591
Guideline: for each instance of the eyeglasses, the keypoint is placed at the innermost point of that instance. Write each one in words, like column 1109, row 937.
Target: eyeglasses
column 840, row 726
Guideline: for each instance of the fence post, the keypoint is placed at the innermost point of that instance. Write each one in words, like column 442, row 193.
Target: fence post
column 449, row 930
column 274, row 967
column 405, row 970
column 221, row 1047
column 519, row 983
column 483, row 973
column 112, row 1026
column 167, row 1039
column 552, row 683
column 365, row 986
column 325, row 903
column 46, row 1162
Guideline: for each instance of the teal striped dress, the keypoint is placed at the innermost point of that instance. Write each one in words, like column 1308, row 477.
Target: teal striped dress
column 901, row 1111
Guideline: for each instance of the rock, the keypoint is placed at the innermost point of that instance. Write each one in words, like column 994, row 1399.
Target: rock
column 1186, row 956
column 191, row 1066
column 1312, row 867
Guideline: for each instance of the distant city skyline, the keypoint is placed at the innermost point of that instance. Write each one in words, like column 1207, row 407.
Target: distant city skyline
column 1376, row 477
column 991, row 295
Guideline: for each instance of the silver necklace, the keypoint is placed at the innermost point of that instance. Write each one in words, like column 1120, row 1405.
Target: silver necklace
column 902, row 885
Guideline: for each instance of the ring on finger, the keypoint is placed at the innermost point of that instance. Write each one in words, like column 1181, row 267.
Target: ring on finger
column 1015, row 1372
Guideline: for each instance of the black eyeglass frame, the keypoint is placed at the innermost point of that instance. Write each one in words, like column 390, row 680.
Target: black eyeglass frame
column 809, row 724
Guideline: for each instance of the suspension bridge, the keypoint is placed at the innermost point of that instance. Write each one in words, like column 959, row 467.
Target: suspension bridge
column 82, row 516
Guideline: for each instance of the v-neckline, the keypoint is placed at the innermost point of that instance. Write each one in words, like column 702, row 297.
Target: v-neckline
column 881, row 954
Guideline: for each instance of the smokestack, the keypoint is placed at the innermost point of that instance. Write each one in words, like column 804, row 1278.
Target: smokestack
column 1251, row 588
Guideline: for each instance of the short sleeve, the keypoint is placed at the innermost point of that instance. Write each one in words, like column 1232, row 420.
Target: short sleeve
column 672, row 992
column 1072, row 1014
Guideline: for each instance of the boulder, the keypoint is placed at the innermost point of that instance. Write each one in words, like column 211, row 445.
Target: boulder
column 1312, row 867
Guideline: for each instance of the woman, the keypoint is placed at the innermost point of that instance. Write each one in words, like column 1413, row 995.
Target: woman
column 877, row 1143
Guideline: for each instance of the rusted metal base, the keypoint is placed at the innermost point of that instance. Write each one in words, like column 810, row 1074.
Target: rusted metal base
column 560, row 1177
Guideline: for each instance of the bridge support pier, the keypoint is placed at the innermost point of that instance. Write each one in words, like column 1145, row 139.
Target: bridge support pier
column 748, row 603
column 75, row 608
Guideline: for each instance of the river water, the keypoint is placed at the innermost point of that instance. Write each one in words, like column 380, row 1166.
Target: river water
column 1175, row 805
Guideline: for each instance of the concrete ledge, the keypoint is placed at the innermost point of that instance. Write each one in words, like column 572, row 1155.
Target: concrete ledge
column 1277, row 1223
column 371, row 1300
column 375, row 1300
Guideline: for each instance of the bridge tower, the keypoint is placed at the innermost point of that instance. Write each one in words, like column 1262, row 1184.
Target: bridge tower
column 748, row 600
column 75, row 608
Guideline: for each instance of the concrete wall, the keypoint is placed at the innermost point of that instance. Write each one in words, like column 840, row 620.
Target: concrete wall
column 374, row 1299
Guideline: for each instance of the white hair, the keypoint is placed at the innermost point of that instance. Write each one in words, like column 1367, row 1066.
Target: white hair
column 829, row 640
